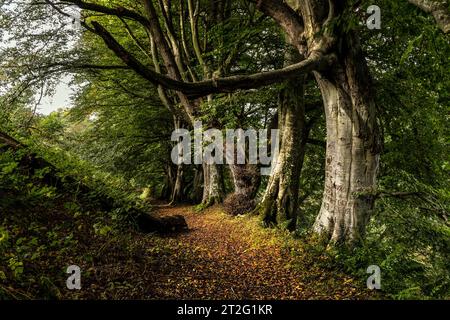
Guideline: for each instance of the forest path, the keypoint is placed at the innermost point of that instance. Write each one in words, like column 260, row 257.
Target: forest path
column 225, row 257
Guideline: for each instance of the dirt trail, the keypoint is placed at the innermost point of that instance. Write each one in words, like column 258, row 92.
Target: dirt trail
column 224, row 257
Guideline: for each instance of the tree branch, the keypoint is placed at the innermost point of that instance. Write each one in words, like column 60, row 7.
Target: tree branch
column 135, row 39
column 167, row 56
column 316, row 61
column 120, row 12
column 286, row 17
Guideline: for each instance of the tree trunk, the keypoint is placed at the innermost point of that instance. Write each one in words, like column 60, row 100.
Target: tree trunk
column 177, row 194
column 177, row 191
column 246, row 179
column 168, row 187
column 280, row 201
column 353, row 146
column 197, row 189
column 213, row 185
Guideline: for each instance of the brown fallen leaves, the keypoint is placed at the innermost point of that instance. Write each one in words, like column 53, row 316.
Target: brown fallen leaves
column 224, row 257
column 221, row 257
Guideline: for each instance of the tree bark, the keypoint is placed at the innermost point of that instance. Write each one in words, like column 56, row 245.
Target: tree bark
column 353, row 146
column 280, row 201
column 197, row 189
column 246, row 179
column 213, row 186
column 177, row 191
column 166, row 191
column 177, row 194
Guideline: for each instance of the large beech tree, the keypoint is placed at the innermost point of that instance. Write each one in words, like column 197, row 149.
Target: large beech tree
column 326, row 41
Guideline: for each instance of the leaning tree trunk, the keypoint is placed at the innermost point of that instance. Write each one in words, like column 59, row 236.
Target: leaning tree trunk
column 353, row 146
column 213, row 185
column 280, row 201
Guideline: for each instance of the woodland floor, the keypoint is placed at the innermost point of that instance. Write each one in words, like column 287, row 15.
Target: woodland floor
column 235, row 259
column 220, row 257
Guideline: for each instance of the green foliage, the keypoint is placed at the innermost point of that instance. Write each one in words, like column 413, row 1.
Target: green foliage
column 41, row 225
